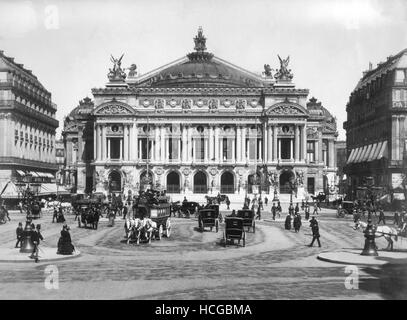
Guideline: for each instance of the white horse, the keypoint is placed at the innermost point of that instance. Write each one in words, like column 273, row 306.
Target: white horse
column 133, row 228
column 148, row 228
column 383, row 231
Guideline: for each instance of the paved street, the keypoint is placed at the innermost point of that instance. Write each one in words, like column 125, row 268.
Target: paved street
column 275, row 264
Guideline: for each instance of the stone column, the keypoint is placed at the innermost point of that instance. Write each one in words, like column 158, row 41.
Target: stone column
column 397, row 139
column 95, row 136
column 125, row 142
column 331, row 155
column 179, row 149
column 260, row 146
column 184, row 144
column 320, row 158
column 98, row 143
column 206, row 147
column 103, row 144
column 275, row 150
column 211, row 156
column 221, row 149
column 238, row 144
column 157, row 142
column 121, row 149
column 216, row 144
column 140, row 148
column 297, row 143
column 167, row 149
column 279, row 148
column 189, row 144
column 233, row 150
column 304, row 143
column 265, row 144
column 291, row 149
column 243, row 153
column 135, row 142
column 108, row 148
column 269, row 143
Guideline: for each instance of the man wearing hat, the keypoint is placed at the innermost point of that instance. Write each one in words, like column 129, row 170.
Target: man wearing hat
column 315, row 232
column 36, row 238
column 19, row 233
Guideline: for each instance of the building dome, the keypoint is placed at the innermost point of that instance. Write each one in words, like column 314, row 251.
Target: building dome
column 202, row 69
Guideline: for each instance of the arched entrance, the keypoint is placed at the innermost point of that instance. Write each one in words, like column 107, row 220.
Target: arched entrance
column 253, row 179
column 200, row 183
column 115, row 181
column 173, row 183
column 227, row 183
column 144, row 182
column 286, row 177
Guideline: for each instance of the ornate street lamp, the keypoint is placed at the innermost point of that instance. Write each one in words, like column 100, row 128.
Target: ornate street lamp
column 370, row 248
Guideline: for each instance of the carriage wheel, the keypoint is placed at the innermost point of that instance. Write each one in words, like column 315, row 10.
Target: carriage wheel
column 217, row 226
column 342, row 213
column 160, row 232
column 188, row 213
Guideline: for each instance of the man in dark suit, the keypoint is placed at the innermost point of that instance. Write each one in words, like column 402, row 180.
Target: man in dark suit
column 19, row 233
column 315, row 232
column 36, row 237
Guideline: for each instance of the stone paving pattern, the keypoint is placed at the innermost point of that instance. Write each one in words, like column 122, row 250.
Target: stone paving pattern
column 275, row 264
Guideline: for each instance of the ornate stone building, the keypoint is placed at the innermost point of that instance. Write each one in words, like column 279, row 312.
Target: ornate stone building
column 27, row 125
column 204, row 125
column 376, row 127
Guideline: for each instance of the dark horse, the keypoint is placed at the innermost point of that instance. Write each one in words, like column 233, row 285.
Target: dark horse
column 89, row 217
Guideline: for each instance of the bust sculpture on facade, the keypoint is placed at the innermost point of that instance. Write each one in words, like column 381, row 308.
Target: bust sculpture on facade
column 267, row 70
column 133, row 70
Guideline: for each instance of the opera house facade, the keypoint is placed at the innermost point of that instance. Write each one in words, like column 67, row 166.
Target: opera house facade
column 200, row 125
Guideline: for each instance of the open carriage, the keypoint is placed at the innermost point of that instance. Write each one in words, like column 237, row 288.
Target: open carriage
column 248, row 219
column 234, row 230
column 208, row 218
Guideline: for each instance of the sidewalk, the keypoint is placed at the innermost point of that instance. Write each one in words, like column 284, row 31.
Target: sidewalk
column 46, row 254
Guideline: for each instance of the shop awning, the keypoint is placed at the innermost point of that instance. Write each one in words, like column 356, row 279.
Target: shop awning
column 21, row 173
column 370, row 152
column 49, row 175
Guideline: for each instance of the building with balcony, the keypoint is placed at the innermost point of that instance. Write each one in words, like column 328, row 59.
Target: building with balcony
column 201, row 125
column 27, row 125
column 376, row 126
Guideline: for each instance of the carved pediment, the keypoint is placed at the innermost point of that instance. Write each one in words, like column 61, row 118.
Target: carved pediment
column 114, row 108
column 287, row 109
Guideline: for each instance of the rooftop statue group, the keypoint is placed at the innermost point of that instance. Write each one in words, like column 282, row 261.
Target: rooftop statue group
column 281, row 74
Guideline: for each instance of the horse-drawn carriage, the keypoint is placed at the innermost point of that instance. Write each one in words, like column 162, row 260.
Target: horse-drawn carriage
column 346, row 207
column 186, row 209
column 208, row 218
column 34, row 210
column 248, row 219
column 89, row 214
column 234, row 230
column 151, row 219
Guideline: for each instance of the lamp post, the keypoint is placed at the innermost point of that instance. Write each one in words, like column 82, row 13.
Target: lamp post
column 370, row 248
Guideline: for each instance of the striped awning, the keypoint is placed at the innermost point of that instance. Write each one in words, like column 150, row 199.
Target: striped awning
column 370, row 152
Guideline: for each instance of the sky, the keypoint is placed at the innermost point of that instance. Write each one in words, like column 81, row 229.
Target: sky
column 67, row 44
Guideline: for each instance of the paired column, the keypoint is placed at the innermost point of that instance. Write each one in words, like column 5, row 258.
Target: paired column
column 275, row 150
column 297, row 144
column 211, row 156
column 134, row 143
column 331, row 148
column 98, row 143
column 244, row 157
column 184, row 144
column 270, row 143
column 216, row 144
column 320, row 158
column 161, row 145
column 304, row 142
column 238, row 144
column 103, row 144
column 189, row 144
column 265, row 144
column 157, row 142
column 125, row 142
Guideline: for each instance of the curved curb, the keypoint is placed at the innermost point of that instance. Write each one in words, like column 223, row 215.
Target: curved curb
column 68, row 257
column 355, row 258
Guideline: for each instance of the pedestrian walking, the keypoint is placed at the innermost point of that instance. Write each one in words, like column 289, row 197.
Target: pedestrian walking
column 297, row 223
column 36, row 237
column 315, row 232
column 258, row 216
column 261, row 203
column 279, row 209
column 381, row 216
column 274, row 211
column 307, row 212
column 19, row 234
column 315, row 208
column 228, row 203
column 396, row 218
column 266, row 201
column 297, row 209
column 287, row 223
column 319, row 205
